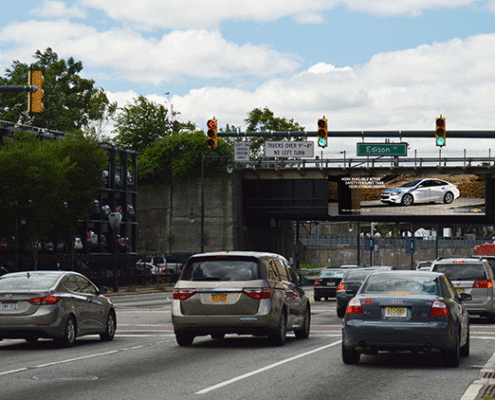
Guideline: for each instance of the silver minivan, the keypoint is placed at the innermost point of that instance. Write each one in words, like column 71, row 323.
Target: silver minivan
column 239, row 292
column 474, row 277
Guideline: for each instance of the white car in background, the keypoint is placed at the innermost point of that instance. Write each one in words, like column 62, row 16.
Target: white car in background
column 421, row 191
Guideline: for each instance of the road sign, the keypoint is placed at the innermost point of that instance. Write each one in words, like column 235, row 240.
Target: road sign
column 283, row 149
column 241, row 151
column 382, row 149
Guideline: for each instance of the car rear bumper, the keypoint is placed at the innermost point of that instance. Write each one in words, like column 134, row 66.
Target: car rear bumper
column 325, row 291
column 390, row 335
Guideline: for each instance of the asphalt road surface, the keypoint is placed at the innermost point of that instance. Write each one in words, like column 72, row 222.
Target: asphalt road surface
column 145, row 362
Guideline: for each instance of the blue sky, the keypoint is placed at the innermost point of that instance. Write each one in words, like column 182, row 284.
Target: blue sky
column 365, row 65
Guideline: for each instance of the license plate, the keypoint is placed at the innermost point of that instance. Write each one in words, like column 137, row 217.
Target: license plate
column 219, row 298
column 395, row 312
column 9, row 306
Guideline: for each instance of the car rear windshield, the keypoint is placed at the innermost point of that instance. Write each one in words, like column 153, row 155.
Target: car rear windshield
column 401, row 285
column 462, row 272
column 332, row 274
column 357, row 275
column 28, row 282
column 222, row 269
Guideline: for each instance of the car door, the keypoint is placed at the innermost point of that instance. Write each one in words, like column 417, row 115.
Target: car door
column 78, row 302
column 438, row 190
column 95, row 317
column 293, row 298
column 423, row 191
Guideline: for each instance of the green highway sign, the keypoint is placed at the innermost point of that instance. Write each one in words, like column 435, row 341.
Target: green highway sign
column 382, row 149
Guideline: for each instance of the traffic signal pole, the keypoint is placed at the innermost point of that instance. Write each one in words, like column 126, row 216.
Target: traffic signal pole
column 19, row 89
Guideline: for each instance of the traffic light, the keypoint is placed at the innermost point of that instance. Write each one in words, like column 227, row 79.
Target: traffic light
column 440, row 132
column 34, row 99
column 322, row 132
column 369, row 245
column 410, row 246
column 212, row 133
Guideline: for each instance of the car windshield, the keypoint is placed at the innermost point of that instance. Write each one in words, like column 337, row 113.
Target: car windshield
column 357, row 275
column 226, row 269
column 28, row 282
column 462, row 271
column 332, row 274
column 411, row 183
column 401, row 285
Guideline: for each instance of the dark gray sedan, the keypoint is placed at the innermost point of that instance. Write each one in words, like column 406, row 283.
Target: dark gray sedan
column 53, row 304
column 406, row 310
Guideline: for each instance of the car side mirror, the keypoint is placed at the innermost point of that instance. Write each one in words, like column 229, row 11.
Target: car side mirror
column 303, row 281
column 465, row 297
column 102, row 289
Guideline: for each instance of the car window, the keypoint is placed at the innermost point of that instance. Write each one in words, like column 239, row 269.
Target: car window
column 357, row 275
column 272, row 270
column 449, row 290
column 28, row 282
column 332, row 274
column 226, row 269
column 388, row 284
column 281, row 270
column 71, row 284
column 462, row 271
column 411, row 183
column 85, row 286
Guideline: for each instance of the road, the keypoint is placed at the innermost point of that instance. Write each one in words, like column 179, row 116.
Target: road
column 144, row 362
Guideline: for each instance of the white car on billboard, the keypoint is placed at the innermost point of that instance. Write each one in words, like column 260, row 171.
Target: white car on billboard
column 424, row 190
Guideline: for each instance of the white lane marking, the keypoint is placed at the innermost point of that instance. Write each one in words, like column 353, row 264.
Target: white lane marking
column 258, row 371
column 76, row 359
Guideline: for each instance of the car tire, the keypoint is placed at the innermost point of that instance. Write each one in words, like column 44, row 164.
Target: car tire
column 184, row 338
column 407, row 200
column 341, row 312
column 279, row 336
column 350, row 356
column 111, row 327
column 448, row 198
column 70, row 332
column 464, row 350
column 303, row 333
column 451, row 358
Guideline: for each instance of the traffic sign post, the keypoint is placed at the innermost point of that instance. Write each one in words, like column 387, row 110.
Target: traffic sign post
column 382, row 149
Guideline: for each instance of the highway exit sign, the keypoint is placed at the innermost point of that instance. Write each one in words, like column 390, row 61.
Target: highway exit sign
column 382, row 149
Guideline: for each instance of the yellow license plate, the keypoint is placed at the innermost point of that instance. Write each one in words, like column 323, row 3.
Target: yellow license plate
column 396, row 312
column 219, row 298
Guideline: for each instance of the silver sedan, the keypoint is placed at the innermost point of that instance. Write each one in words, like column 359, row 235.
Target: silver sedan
column 421, row 191
column 61, row 305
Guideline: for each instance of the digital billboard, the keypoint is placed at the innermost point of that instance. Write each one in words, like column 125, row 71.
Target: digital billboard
column 408, row 195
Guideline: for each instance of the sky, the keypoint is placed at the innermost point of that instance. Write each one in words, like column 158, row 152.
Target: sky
column 362, row 64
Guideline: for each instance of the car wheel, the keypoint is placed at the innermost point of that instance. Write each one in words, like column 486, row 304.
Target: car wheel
column 32, row 339
column 340, row 312
column 350, row 356
column 217, row 336
column 448, row 198
column 70, row 332
column 110, row 329
column 184, row 339
column 451, row 358
column 407, row 200
column 303, row 333
column 279, row 336
column 464, row 350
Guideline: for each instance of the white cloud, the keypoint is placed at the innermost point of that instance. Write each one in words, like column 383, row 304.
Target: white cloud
column 57, row 9
column 194, row 53
column 195, row 14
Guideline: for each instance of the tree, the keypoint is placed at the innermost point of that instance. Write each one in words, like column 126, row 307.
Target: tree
column 71, row 102
column 179, row 155
column 50, row 185
column 141, row 123
column 263, row 120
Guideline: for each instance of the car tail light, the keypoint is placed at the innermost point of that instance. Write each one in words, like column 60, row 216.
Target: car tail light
column 354, row 307
column 183, row 294
column 341, row 287
column 45, row 300
column 483, row 284
column 317, row 282
column 258, row 293
column 439, row 309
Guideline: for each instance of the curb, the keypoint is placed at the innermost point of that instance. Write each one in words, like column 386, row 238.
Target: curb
column 485, row 384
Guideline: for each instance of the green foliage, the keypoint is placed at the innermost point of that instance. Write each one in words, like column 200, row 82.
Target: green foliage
column 263, row 120
column 71, row 102
column 179, row 155
column 141, row 124
column 49, row 184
